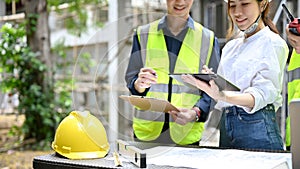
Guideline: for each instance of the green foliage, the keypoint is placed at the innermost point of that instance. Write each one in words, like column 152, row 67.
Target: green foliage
column 10, row 1
column 31, row 22
column 43, row 105
column 63, row 86
column 76, row 22
column 85, row 62
column 45, row 102
column 76, row 3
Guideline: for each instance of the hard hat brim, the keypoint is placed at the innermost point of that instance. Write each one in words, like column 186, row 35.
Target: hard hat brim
column 84, row 155
column 80, row 155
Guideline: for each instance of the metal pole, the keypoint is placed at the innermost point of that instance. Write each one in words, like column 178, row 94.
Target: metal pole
column 112, row 70
column 298, row 11
column 278, row 12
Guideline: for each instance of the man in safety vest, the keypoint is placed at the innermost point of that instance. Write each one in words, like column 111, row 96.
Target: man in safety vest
column 293, row 78
column 173, row 44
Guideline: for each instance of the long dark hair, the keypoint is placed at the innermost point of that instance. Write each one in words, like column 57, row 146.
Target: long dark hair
column 231, row 32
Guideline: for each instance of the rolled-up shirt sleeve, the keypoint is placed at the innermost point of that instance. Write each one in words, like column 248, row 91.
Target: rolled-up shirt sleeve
column 267, row 84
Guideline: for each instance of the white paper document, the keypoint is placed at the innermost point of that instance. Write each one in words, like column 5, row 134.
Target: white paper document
column 217, row 158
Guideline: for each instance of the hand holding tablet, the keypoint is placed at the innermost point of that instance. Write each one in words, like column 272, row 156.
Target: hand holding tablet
column 222, row 83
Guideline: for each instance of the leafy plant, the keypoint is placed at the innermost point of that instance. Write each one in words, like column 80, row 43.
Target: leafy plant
column 76, row 21
column 44, row 107
column 43, row 100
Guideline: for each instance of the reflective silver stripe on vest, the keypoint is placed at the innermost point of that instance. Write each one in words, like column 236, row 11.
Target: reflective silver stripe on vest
column 144, row 40
column 205, row 45
column 163, row 88
column 155, row 116
column 151, row 116
column 294, row 74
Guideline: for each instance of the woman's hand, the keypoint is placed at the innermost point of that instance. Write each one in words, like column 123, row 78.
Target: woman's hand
column 211, row 89
column 146, row 77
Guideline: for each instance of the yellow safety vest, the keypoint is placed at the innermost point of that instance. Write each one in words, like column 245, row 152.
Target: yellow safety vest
column 199, row 42
column 293, row 87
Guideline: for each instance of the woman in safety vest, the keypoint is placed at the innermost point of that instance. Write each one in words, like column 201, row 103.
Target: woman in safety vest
column 255, row 63
column 173, row 44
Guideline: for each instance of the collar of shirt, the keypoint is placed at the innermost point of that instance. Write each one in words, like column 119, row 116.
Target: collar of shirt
column 258, row 34
column 163, row 23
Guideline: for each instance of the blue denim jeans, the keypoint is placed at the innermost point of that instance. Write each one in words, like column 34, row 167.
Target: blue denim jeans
column 250, row 131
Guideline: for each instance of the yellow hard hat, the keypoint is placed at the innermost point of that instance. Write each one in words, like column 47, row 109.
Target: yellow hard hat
column 80, row 135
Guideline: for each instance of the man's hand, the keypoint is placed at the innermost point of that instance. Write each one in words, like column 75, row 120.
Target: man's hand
column 184, row 116
column 146, row 77
column 294, row 40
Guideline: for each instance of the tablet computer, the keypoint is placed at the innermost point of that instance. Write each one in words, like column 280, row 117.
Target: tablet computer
column 222, row 83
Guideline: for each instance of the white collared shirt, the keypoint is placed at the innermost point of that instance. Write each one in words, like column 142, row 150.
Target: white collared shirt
column 256, row 65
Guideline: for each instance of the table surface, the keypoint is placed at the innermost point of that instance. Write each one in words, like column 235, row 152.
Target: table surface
column 55, row 161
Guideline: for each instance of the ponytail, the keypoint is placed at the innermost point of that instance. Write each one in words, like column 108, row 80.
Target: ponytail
column 267, row 21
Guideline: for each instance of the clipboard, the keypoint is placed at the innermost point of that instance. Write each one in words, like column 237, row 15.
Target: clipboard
column 222, row 83
column 147, row 103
